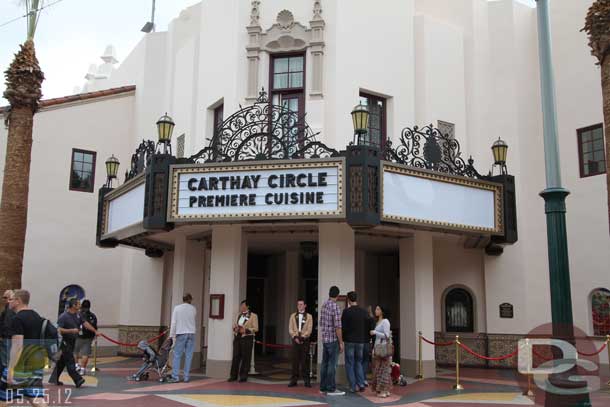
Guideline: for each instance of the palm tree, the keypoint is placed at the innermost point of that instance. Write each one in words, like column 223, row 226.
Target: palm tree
column 597, row 27
column 23, row 92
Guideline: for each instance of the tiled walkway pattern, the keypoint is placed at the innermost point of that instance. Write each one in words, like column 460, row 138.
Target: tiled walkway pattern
column 112, row 388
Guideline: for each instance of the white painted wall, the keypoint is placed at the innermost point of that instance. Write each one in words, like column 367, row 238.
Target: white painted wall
column 60, row 242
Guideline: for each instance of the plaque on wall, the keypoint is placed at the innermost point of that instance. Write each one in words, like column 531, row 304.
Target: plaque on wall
column 506, row 310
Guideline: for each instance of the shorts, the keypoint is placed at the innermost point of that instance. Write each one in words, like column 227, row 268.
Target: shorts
column 83, row 346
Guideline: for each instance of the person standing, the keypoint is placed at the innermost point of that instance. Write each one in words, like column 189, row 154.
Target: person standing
column 182, row 332
column 354, row 321
column 27, row 357
column 300, row 326
column 85, row 337
column 6, row 320
column 244, row 331
column 332, row 342
column 366, row 361
column 69, row 324
column 383, row 363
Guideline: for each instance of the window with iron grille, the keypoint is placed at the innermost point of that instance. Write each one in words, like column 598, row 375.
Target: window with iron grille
column 287, row 84
column 600, row 311
column 82, row 170
column 377, row 134
column 591, row 150
column 459, row 311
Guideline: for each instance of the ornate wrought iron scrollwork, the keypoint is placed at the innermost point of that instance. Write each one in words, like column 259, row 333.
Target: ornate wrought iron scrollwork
column 140, row 159
column 429, row 149
column 263, row 131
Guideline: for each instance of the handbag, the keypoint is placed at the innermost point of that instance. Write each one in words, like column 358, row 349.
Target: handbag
column 384, row 349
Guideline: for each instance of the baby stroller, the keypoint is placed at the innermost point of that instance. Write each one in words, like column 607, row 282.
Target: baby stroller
column 153, row 361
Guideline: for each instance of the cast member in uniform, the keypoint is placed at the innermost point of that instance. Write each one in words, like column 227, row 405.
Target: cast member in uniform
column 244, row 330
column 300, row 326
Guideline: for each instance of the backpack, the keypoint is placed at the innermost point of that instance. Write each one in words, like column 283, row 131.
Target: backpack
column 49, row 340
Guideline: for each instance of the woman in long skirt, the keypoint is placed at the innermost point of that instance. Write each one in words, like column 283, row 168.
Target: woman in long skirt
column 382, row 380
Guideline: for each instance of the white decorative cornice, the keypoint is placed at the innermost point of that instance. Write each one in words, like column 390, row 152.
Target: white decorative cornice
column 255, row 13
column 285, row 19
column 317, row 10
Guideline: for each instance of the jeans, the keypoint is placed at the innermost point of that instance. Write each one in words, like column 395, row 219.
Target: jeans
column 353, row 364
column 5, row 351
column 366, row 359
column 185, row 344
column 330, row 355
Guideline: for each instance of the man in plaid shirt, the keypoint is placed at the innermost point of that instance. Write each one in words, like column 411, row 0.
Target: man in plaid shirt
column 332, row 342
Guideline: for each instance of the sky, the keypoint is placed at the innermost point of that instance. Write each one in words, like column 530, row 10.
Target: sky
column 72, row 34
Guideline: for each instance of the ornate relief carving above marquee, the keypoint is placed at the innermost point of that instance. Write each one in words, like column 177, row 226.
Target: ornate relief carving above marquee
column 286, row 35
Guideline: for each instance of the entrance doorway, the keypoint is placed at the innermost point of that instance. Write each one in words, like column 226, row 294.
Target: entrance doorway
column 377, row 280
column 277, row 275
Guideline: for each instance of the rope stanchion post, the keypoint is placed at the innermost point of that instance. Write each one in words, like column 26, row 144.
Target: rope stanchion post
column 608, row 348
column 457, row 386
column 252, row 363
column 420, row 370
column 94, row 369
column 312, row 347
column 529, row 392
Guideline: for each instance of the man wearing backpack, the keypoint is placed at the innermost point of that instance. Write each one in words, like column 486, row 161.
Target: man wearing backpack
column 85, row 338
column 70, row 325
column 23, row 381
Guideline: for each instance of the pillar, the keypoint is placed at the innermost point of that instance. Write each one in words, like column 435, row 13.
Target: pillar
column 417, row 302
column 188, row 277
column 228, row 277
column 336, row 251
column 289, row 292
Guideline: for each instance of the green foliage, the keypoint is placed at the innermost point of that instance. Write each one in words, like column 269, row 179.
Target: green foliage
column 32, row 9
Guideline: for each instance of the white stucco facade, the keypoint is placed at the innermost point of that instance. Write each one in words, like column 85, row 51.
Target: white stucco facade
column 472, row 63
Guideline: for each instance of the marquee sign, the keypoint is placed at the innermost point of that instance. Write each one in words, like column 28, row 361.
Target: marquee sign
column 281, row 190
column 432, row 199
column 124, row 208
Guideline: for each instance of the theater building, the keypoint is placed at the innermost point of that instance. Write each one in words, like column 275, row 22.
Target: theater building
column 270, row 150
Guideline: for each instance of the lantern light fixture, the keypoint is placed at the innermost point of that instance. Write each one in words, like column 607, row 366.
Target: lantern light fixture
column 500, row 151
column 165, row 129
column 112, row 168
column 360, row 119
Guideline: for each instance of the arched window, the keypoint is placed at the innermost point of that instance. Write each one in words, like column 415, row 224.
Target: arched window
column 70, row 291
column 459, row 311
column 600, row 311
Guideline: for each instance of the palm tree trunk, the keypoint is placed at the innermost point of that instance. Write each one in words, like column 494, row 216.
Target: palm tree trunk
column 23, row 91
column 14, row 206
column 605, row 71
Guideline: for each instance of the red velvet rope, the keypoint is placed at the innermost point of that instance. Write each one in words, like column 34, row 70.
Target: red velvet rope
column 277, row 346
column 467, row 349
column 437, row 343
column 540, row 356
column 594, row 353
column 132, row 345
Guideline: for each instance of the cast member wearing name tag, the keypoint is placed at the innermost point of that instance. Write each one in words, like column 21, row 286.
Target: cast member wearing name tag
column 244, row 330
column 300, row 326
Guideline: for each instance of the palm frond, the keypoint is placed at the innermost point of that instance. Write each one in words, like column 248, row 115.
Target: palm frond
column 32, row 10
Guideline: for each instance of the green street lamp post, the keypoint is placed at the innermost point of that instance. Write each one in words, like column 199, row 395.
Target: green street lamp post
column 555, row 208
